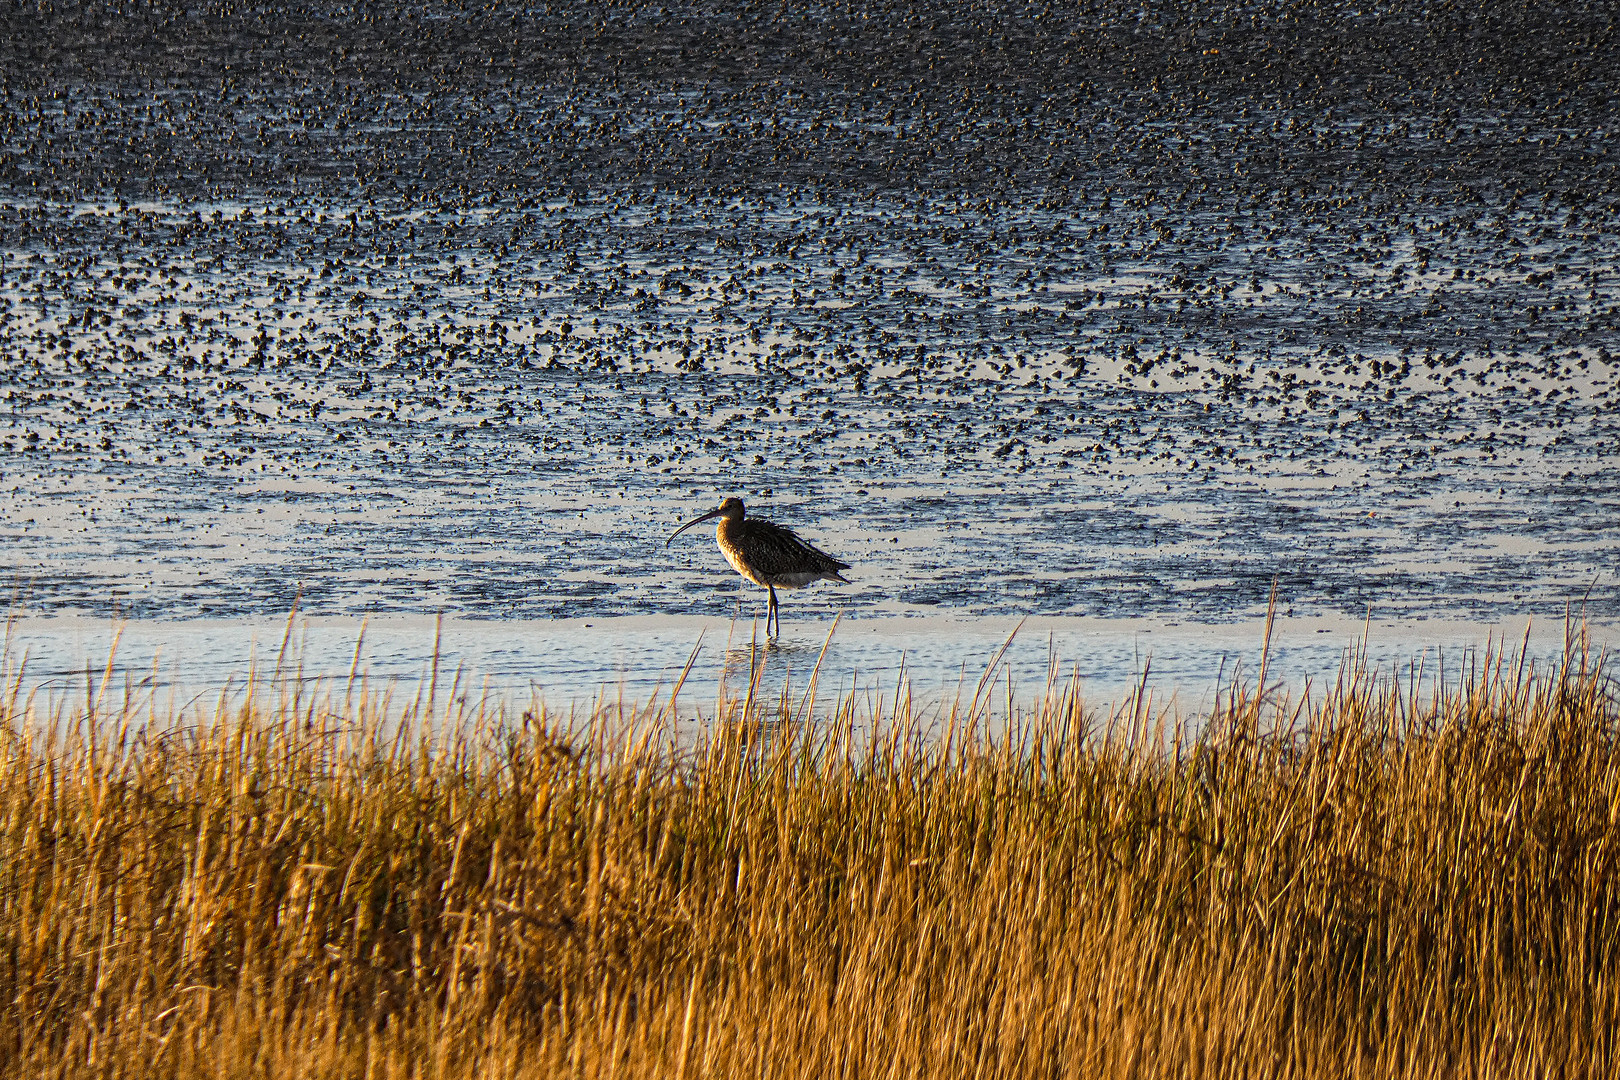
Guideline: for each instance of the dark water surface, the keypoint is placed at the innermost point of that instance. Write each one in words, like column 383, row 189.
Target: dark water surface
column 1115, row 311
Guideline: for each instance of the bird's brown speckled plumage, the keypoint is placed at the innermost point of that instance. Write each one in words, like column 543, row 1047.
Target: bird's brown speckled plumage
column 770, row 554
column 767, row 554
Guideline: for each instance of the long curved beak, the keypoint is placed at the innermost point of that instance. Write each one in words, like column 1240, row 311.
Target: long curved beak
column 689, row 524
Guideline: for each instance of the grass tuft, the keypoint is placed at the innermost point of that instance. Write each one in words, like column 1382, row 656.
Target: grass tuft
column 1389, row 879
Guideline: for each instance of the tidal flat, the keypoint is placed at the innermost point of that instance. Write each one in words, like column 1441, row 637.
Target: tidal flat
column 1120, row 312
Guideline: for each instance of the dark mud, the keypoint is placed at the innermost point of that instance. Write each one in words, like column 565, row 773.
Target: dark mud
column 1118, row 311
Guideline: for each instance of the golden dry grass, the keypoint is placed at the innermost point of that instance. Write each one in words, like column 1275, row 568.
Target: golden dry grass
column 1375, row 883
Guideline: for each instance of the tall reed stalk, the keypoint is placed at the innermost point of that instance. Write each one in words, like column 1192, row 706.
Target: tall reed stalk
column 1394, row 878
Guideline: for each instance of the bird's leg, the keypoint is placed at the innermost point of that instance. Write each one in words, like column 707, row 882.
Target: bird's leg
column 771, row 613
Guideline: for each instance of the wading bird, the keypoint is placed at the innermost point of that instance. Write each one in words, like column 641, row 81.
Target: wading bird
column 766, row 554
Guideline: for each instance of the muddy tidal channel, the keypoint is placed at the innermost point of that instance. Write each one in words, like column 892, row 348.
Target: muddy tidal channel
column 1107, row 310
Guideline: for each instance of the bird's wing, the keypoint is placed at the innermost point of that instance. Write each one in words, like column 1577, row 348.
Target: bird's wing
column 773, row 549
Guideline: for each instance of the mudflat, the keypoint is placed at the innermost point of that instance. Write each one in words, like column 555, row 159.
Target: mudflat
column 1118, row 312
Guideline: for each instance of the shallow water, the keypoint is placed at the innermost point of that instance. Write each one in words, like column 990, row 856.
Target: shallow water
column 935, row 665
column 1121, row 315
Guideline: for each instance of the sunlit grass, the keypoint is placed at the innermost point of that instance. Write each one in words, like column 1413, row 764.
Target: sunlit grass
column 1388, row 878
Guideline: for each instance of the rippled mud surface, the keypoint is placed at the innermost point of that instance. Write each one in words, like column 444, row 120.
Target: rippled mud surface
column 1122, row 312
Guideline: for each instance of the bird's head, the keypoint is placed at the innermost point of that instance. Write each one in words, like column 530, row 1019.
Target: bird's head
column 731, row 508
